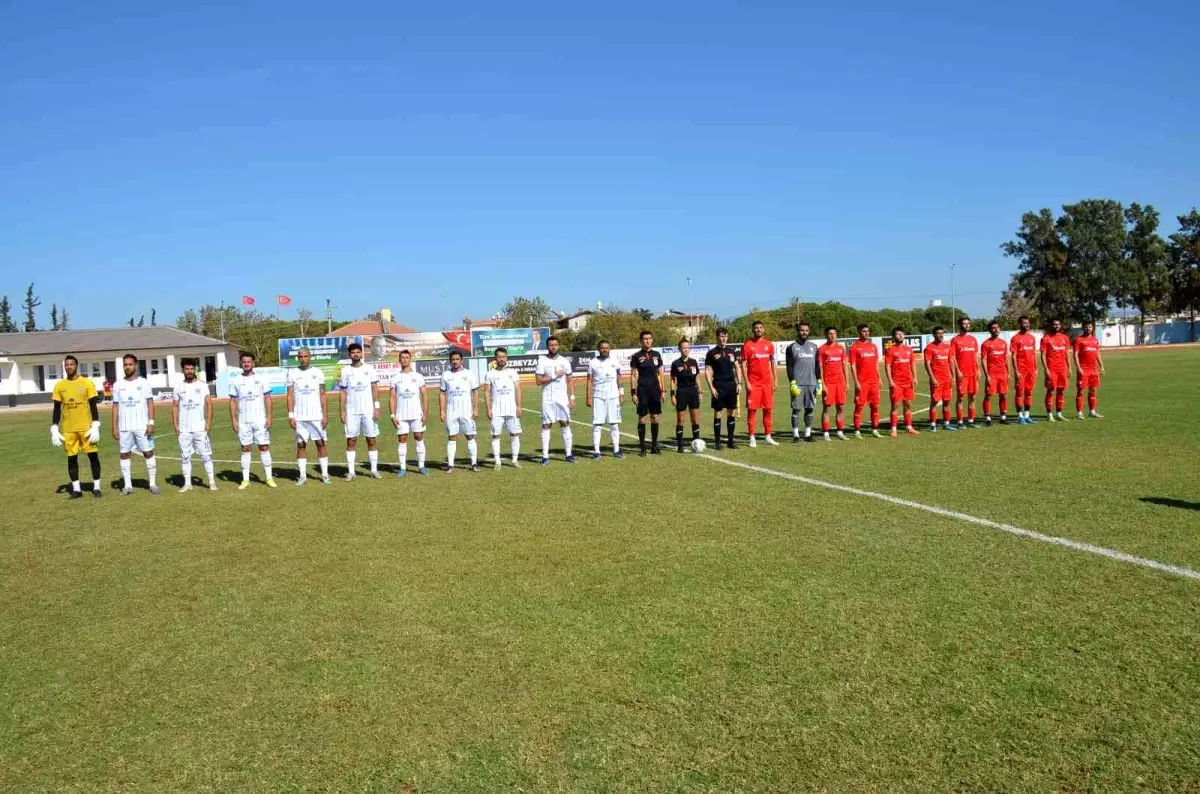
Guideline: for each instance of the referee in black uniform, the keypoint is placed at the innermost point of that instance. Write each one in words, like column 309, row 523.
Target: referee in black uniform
column 725, row 382
column 685, row 391
column 647, row 391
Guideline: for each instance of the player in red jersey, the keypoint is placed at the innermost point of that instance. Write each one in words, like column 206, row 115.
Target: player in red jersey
column 832, row 356
column 758, row 366
column 1089, row 366
column 994, row 351
column 1024, row 363
column 901, row 366
column 864, row 363
column 965, row 350
column 1056, row 363
column 937, row 356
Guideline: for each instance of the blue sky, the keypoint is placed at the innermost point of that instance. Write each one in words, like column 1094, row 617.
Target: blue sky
column 437, row 159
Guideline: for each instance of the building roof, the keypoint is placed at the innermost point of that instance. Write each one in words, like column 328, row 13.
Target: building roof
column 370, row 328
column 36, row 343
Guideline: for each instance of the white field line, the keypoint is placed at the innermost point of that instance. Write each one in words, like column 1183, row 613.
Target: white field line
column 1076, row 545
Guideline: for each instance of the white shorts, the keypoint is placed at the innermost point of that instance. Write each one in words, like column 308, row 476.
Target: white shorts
column 555, row 412
column 195, row 443
column 253, row 433
column 361, row 424
column 309, row 431
column 456, row 425
column 511, row 423
column 403, row 427
column 606, row 412
column 131, row 439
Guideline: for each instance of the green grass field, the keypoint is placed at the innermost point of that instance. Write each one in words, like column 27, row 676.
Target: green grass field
column 666, row 624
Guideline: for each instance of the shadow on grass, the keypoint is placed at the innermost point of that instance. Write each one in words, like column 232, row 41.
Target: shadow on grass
column 1166, row 501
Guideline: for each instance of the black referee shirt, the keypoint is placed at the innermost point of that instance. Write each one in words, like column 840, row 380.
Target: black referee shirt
column 723, row 362
column 685, row 374
column 647, row 364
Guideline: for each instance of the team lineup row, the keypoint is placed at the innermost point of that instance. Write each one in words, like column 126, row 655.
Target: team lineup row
column 817, row 374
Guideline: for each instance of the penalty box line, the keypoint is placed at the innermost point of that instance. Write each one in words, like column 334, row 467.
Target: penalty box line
column 1075, row 545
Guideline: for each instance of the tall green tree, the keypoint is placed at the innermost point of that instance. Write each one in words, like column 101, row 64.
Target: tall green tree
column 154, row 316
column 7, row 326
column 1014, row 305
column 1041, row 256
column 521, row 312
column 64, row 321
column 1144, row 279
column 1093, row 231
column 53, row 316
column 31, row 304
column 1184, row 259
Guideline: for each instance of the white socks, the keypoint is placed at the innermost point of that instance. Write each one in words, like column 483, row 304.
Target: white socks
column 351, row 456
column 473, row 449
column 302, row 465
column 127, row 472
column 266, row 462
column 597, row 434
column 152, row 471
column 324, row 466
column 568, row 439
column 421, row 454
column 516, row 446
column 615, row 432
column 495, row 447
column 403, row 456
column 545, row 442
column 245, row 467
column 451, row 448
column 186, row 466
column 373, row 459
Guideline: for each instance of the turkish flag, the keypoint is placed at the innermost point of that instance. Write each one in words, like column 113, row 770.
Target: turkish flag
column 247, row 300
column 284, row 300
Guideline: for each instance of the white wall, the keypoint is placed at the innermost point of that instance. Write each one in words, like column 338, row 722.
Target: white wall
column 163, row 369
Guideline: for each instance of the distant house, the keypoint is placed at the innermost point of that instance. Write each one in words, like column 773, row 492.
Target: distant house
column 481, row 323
column 689, row 324
column 384, row 325
column 574, row 322
column 31, row 363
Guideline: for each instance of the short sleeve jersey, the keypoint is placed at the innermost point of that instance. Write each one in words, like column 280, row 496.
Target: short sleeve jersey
column 647, row 364
column 1024, row 350
column 249, row 391
column 1056, row 346
column 833, row 362
column 190, row 399
column 965, row 349
column 606, row 378
column 131, row 397
column 899, row 362
column 723, row 362
column 306, row 392
column 802, row 362
column 502, row 386
column 995, row 357
column 938, row 357
column 359, row 385
column 759, row 355
column 685, row 373
column 406, row 395
column 555, row 392
column 75, row 398
column 864, row 357
column 457, row 386
column 1087, row 350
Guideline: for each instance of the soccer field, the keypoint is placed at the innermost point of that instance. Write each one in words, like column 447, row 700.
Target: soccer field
column 660, row 624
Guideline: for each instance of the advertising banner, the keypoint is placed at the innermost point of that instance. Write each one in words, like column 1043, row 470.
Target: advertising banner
column 518, row 341
column 329, row 353
column 429, row 344
column 276, row 377
column 431, row 368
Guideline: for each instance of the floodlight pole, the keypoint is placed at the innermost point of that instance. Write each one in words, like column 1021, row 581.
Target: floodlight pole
column 953, row 319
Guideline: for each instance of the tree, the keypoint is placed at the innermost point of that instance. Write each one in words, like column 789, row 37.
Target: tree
column 1185, row 267
column 31, row 304
column 1144, row 279
column 304, row 317
column 132, row 323
column 141, row 321
column 525, row 312
column 7, row 326
column 645, row 314
column 154, row 316
column 1014, row 305
column 63, row 321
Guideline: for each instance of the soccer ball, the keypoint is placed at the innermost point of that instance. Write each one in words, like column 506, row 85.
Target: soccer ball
column 699, row 446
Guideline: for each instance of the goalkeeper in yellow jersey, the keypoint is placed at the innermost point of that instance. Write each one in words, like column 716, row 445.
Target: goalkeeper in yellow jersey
column 76, row 424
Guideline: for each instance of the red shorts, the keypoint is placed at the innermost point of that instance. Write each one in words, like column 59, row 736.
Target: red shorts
column 941, row 392
column 761, row 397
column 1056, row 379
column 1025, row 382
column 1087, row 380
column 835, row 394
column 968, row 384
column 867, row 395
column 903, row 391
column 998, row 384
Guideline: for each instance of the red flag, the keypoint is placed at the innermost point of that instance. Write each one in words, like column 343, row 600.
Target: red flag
column 247, row 300
column 284, row 300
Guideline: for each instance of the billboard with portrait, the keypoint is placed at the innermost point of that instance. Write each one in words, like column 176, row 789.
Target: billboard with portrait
column 518, row 341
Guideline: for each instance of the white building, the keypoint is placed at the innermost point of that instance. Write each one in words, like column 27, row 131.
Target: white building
column 31, row 363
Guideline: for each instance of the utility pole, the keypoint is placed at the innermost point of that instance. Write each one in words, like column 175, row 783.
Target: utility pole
column 222, row 316
column 328, row 317
column 953, row 319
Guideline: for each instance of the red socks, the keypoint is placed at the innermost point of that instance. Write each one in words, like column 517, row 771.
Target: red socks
column 768, row 421
column 750, row 414
column 987, row 405
column 1092, row 400
column 907, row 419
column 1003, row 404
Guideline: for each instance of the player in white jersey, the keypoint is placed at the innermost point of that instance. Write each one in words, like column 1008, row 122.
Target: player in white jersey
column 360, row 409
column 191, row 415
column 250, row 414
column 503, row 398
column 307, row 414
column 133, row 423
column 410, row 411
column 605, row 397
column 558, row 398
column 458, row 401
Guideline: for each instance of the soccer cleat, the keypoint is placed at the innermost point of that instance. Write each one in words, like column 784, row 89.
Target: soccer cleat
column 1004, row 420
column 951, row 428
column 642, row 452
column 449, row 470
column 97, row 493
column 1094, row 415
column 730, row 444
column 825, row 435
column 655, row 450
column 350, row 476
column 299, row 483
column 546, row 461
column 679, row 449
column 73, row 494
column 245, row 484
column 516, row 464
column 375, row 475
column 570, row 458
column 933, row 428
column 987, row 421
column 474, row 467
column 1079, row 415
column 498, row 464
column 858, row 435
column 841, row 436
column 423, row 471
column 753, row 442
column 813, row 439
column 717, row 445
column 1061, row 417
column 877, row 434
column 126, row 492
column 402, row 473
column 595, row 456
column 186, row 487
column 619, row 455
column 771, row 440
column 212, row 486
column 895, row 433
column 154, row 490
column 795, row 438
column 912, row 431
column 271, row 483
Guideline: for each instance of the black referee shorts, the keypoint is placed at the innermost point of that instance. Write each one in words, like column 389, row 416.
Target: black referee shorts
column 687, row 399
column 725, row 397
column 649, row 401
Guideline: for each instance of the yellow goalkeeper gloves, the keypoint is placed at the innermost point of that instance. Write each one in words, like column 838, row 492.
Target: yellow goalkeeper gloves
column 795, row 389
